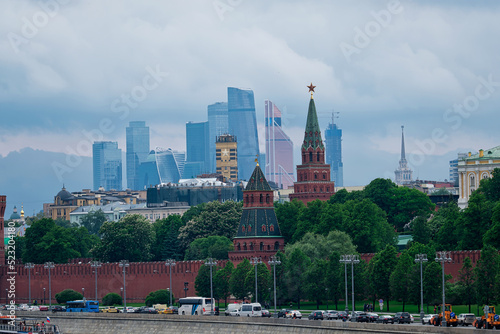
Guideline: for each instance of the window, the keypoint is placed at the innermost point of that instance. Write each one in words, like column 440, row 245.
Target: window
column 238, row 246
column 267, row 198
column 261, row 246
column 276, row 245
column 324, row 176
column 244, row 246
column 310, row 156
column 317, row 156
column 251, row 246
column 261, row 198
column 315, row 176
column 263, row 227
column 271, row 228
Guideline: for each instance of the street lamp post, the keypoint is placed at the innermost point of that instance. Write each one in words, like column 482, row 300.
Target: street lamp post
column 186, row 289
column 83, row 293
column 343, row 259
column 211, row 262
column 273, row 262
column 121, row 292
column 443, row 257
column 352, row 259
column 326, row 294
column 421, row 258
column 255, row 261
column 169, row 263
column 29, row 266
column 43, row 296
column 95, row 265
column 49, row 266
column 124, row 264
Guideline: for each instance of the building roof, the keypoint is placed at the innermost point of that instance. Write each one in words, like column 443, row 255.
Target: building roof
column 258, row 181
column 14, row 214
column 492, row 153
column 64, row 195
column 258, row 222
column 312, row 136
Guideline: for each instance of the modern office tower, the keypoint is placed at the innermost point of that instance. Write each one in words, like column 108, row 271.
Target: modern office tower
column 333, row 143
column 226, row 153
column 107, row 162
column 170, row 164
column 217, row 126
column 243, row 125
column 148, row 172
column 279, row 149
column 313, row 175
column 454, row 168
column 403, row 173
column 197, row 155
column 137, row 136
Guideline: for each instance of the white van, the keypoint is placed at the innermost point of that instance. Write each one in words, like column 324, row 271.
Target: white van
column 232, row 307
column 251, row 310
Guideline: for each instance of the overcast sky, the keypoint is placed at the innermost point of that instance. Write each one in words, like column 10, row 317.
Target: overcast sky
column 84, row 69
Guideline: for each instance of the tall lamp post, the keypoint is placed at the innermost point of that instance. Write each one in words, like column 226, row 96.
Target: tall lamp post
column 43, row 296
column 211, row 262
column 169, row 263
column 443, row 257
column 255, row 261
column 29, row 266
column 186, row 289
column 49, row 266
column 95, row 265
column 352, row 259
column 83, row 293
column 273, row 262
column 326, row 294
column 421, row 258
column 343, row 259
column 124, row 264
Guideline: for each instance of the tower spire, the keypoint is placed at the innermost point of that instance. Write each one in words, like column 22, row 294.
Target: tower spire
column 403, row 155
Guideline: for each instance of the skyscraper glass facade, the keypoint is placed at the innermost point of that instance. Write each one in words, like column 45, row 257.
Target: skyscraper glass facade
column 170, row 165
column 148, row 172
column 279, row 149
column 217, row 126
column 333, row 141
column 243, row 124
column 107, row 165
column 197, row 156
column 137, row 136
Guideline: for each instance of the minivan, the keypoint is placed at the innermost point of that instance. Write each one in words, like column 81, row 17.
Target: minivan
column 231, row 307
column 251, row 310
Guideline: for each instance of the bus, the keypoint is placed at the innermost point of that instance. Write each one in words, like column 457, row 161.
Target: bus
column 82, row 306
column 196, row 306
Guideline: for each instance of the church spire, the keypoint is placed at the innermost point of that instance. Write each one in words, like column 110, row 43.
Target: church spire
column 403, row 155
column 312, row 136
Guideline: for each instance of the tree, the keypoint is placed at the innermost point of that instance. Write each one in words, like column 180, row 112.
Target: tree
column 214, row 246
column 400, row 278
column 202, row 281
column 432, row 282
column 161, row 296
column 491, row 186
column 466, row 280
column 220, row 219
column 131, row 238
column 263, row 282
column 408, row 204
column 333, row 279
column 222, row 280
column 112, row 299
column 93, row 221
column 381, row 191
column 492, row 236
column 308, row 219
column 287, row 214
column 486, row 272
column 166, row 244
column 68, row 295
column 420, row 231
column 317, row 246
column 237, row 282
column 383, row 265
column 295, row 274
column 332, row 219
column 316, row 281
column 474, row 222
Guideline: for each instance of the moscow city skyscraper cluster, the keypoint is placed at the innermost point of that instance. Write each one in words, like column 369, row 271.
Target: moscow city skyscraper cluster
column 237, row 118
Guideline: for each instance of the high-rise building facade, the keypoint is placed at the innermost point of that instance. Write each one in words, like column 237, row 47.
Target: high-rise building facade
column 333, row 143
column 217, row 126
column 197, row 148
column 403, row 175
column 107, row 165
column 279, row 149
column 170, row 165
column 148, row 172
column 137, row 136
column 243, row 125
column 226, row 153
column 313, row 175
column 454, row 168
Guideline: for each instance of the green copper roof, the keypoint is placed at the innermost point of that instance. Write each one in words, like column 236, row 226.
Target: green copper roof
column 312, row 137
column 258, row 181
column 492, row 153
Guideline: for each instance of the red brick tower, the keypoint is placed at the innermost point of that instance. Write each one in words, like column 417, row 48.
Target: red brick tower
column 2, row 245
column 313, row 176
column 259, row 234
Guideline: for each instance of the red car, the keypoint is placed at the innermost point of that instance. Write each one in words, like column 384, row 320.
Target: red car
column 44, row 308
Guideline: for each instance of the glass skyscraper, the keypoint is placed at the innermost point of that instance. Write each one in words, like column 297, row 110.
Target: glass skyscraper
column 137, row 136
column 197, row 155
column 170, row 164
column 107, row 165
column 148, row 172
column 217, row 126
column 243, row 124
column 333, row 141
column 279, row 149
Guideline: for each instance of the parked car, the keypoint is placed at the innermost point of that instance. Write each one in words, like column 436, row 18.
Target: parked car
column 412, row 319
column 110, row 309
column 231, row 307
column 283, row 312
column 360, row 317
column 316, row 315
column 129, row 309
column 234, row 312
column 385, row 319
column 402, row 317
column 343, row 315
column 426, row 320
column 58, row 308
column 266, row 313
column 466, row 319
column 23, row 307
column 33, row 308
column 43, row 308
column 294, row 314
column 145, row 309
column 372, row 317
column 330, row 315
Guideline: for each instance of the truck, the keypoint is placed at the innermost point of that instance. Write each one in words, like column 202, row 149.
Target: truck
column 449, row 315
column 489, row 320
